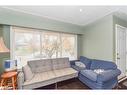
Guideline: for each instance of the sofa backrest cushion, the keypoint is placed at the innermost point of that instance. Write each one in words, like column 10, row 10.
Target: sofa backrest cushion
column 42, row 65
column 100, row 64
column 86, row 61
column 59, row 63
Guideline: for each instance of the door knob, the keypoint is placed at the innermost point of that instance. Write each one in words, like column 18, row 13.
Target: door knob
column 118, row 58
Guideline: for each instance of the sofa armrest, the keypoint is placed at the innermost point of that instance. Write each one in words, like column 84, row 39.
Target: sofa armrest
column 89, row 74
column 20, row 79
column 107, row 75
column 77, row 68
column 73, row 62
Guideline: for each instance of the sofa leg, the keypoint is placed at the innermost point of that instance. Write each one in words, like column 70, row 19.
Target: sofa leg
column 56, row 85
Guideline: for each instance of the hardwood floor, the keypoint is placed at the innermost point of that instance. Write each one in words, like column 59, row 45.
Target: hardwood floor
column 72, row 84
column 75, row 84
column 122, row 85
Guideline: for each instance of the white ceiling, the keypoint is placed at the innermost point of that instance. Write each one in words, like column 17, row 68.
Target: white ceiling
column 70, row 14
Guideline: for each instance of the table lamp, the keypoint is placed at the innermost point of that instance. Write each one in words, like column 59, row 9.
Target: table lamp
column 3, row 48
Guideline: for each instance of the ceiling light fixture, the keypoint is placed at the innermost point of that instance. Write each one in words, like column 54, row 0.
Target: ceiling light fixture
column 80, row 10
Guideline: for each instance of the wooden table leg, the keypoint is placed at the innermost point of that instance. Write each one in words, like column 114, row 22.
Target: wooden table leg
column 13, row 82
column 2, row 82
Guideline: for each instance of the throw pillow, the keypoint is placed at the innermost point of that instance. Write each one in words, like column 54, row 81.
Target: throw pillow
column 80, row 64
column 27, row 73
column 98, row 71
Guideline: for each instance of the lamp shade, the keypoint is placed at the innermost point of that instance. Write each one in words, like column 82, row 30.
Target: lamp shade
column 3, row 48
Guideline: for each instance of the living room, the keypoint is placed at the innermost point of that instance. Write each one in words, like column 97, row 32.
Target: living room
column 63, row 47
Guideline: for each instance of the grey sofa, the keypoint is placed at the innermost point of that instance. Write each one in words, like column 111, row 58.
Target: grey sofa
column 45, row 72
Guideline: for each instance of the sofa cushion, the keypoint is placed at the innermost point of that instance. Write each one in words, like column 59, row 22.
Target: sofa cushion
column 86, row 61
column 28, row 74
column 90, row 74
column 98, row 71
column 49, row 77
column 65, row 73
column 41, row 65
column 80, row 64
column 60, row 63
column 41, row 77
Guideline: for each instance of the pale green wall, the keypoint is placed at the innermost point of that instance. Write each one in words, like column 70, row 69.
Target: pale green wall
column 117, row 20
column 79, row 45
column 1, row 30
column 5, row 33
column 98, row 39
column 1, row 33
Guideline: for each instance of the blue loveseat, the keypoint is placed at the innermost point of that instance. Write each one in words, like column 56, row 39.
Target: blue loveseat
column 105, row 80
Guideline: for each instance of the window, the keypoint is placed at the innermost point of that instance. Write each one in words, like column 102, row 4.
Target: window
column 50, row 45
column 32, row 43
column 68, row 43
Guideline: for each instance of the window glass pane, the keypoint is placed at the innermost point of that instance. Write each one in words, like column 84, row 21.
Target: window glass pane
column 68, row 46
column 50, row 45
column 35, row 44
column 27, row 46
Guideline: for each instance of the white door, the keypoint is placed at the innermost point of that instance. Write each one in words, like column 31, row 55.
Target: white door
column 121, row 49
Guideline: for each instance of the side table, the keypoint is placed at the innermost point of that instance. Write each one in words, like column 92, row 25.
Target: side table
column 7, row 77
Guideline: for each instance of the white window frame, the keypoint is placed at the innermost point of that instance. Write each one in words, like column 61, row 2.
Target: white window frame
column 12, row 41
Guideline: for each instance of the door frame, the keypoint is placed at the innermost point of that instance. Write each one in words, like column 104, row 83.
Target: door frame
column 116, row 44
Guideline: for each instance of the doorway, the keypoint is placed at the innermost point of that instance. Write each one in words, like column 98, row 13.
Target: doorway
column 121, row 50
